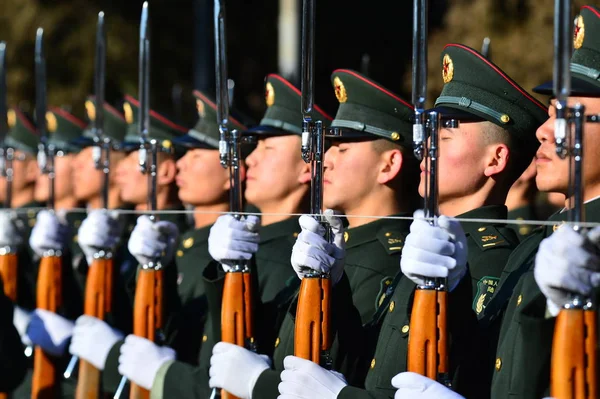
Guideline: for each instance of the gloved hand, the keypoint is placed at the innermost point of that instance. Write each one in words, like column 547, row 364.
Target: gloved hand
column 99, row 231
column 49, row 233
column 92, row 340
column 21, row 320
column 232, row 240
column 140, row 360
column 312, row 252
column 435, row 251
column 416, row 386
column 50, row 331
column 236, row 369
column 305, row 379
column 150, row 241
column 11, row 234
column 565, row 265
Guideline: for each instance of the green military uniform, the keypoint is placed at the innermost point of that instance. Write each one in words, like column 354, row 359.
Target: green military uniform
column 367, row 112
column 474, row 91
column 165, row 132
column 527, row 212
column 273, row 276
column 522, row 366
column 13, row 364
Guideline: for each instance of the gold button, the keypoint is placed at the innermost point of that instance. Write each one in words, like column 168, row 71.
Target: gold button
column 505, row 118
column 75, row 238
column 373, row 363
column 395, row 136
column 519, row 299
column 392, row 306
column 277, row 341
column 405, row 328
column 179, row 253
column 295, row 235
column 188, row 242
column 498, row 364
column 204, row 338
column 346, row 236
column 388, row 234
column 31, row 222
column 481, row 229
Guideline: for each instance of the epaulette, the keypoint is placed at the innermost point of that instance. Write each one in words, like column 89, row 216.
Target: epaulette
column 488, row 237
column 392, row 241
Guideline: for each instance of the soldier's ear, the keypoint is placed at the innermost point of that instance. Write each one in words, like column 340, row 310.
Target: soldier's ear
column 496, row 159
column 390, row 165
column 304, row 176
column 167, row 171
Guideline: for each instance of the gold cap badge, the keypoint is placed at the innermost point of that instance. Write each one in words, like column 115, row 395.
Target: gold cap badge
column 579, row 32
column 11, row 117
column 128, row 112
column 201, row 109
column 269, row 94
column 51, row 122
column 90, row 108
column 447, row 68
column 340, row 90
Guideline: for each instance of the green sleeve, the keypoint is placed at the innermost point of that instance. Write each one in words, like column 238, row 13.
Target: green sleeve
column 181, row 381
column 110, row 376
column 357, row 393
column 267, row 385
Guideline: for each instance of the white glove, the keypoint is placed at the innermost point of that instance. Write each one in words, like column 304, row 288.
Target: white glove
column 232, row 240
column 21, row 320
column 49, row 233
column 435, row 251
column 140, row 360
column 99, row 231
column 415, row 386
column 11, row 232
column 305, row 379
column 92, row 340
column 564, row 266
column 50, row 331
column 312, row 252
column 150, row 241
column 236, row 369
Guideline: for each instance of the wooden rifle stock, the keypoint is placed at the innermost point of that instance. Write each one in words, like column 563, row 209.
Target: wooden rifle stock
column 312, row 330
column 8, row 273
column 147, row 314
column 49, row 297
column 574, row 364
column 97, row 302
column 428, row 341
column 236, row 313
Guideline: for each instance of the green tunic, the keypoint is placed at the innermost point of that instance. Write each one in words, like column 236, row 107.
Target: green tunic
column 27, row 268
column 372, row 259
column 522, row 366
column 275, row 283
column 489, row 246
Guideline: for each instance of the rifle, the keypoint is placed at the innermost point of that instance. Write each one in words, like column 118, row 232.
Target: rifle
column 312, row 336
column 428, row 342
column 49, row 280
column 236, row 309
column 574, row 364
column 8, row 255
column 98, row 289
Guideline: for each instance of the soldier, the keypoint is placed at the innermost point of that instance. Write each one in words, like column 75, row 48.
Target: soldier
column 479, row 161
column 553, row 261
column 368, row 171
column 95, row 340
column 54, row 231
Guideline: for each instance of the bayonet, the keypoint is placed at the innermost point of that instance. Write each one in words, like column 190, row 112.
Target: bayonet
column 563, row 37
column 6, row 153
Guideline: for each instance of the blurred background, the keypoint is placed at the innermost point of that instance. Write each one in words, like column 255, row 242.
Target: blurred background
column 373, row 37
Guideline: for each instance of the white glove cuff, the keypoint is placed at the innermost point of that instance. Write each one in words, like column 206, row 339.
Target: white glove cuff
column 553, row 309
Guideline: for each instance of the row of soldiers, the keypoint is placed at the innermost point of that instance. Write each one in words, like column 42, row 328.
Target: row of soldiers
column 503, row 295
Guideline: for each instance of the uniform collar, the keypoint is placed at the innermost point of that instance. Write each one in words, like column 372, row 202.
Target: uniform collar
column 198, row 235
column 368, row 232
column 287, row 227
column 591, row 210
column 485, row 212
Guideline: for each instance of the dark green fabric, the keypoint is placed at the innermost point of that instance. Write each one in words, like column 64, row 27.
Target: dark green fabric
column 527, row 212
column 22, row 134
column 27, row 260
column 63, row 129
column 115, row 126
column 471, row 79
column 366, row 106
column 13, row 364
column 284, row 107
column 272, row 274
column 372, row 260
column 524, row 346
